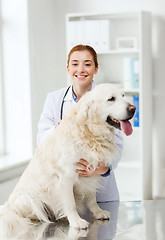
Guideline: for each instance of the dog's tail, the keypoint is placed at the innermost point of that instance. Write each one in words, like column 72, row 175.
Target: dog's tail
column 11, row 224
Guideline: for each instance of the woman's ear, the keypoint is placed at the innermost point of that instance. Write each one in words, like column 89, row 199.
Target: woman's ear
column 96, row 70
column 67, row 68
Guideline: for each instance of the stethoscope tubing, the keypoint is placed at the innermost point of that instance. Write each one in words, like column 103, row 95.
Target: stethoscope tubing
column 63, row 100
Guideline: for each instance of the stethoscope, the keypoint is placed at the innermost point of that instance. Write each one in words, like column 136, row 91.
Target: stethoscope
column 63, row 100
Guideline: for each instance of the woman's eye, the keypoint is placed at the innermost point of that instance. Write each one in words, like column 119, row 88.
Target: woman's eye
column 74, row 64
column 112, row 99
column 88, row 65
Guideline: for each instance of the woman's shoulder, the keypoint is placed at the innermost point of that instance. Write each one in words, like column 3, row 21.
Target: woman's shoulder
column 57, row 93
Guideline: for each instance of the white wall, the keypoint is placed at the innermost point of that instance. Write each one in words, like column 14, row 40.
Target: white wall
column 48, row 58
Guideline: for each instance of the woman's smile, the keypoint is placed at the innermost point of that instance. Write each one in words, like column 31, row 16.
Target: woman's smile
column 81, row 77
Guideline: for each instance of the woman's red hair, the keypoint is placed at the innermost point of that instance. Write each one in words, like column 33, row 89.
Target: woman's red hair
column 83, row 48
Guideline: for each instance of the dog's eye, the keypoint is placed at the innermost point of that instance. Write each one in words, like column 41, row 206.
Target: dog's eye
column 123, row 95
column 112, row 99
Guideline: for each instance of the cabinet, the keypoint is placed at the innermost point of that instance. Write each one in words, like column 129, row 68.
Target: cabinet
column 120, row 39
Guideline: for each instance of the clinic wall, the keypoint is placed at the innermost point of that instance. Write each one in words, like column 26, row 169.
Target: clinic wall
column 48, row 58
column 43, row 57
column 46, row 20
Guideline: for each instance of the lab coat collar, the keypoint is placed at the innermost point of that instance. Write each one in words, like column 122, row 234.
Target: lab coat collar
column 69, row 96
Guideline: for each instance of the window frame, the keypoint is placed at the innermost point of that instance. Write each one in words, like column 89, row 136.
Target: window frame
column 2, row 98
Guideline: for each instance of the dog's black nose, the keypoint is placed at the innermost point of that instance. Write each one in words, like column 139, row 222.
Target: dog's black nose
column 131, row 109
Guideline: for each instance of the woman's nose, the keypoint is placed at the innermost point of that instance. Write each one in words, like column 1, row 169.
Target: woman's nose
column 81, row 68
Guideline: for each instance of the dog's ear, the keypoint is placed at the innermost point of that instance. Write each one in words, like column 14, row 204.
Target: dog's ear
column 85, row 107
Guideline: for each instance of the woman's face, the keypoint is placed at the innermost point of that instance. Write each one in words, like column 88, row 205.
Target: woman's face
column 82, row 68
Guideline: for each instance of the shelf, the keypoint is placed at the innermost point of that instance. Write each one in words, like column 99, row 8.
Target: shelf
column 103, row 15
column 131, row 91
column 137, row 129
column 114, row 68
column 133, row 164
column 113, row 52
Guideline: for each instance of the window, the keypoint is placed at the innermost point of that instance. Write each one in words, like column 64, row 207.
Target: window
column 2, row 137
column 15, row 108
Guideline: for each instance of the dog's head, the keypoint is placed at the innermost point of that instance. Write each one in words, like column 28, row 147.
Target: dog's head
column 106, row 103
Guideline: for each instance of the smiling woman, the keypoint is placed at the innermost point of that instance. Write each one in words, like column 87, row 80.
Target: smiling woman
column 82, row 65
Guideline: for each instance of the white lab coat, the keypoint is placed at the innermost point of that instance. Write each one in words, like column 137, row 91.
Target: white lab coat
column 49, row 120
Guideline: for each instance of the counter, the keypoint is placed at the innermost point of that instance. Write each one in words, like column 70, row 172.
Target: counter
column 129, row 221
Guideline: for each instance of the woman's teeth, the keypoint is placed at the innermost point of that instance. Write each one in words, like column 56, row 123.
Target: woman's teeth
column 81, row 76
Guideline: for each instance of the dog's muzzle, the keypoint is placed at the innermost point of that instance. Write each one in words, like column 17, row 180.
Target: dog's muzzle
column 124, row 124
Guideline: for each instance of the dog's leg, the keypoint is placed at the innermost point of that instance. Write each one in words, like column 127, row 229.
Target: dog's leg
column 98, row 213
column 69, row 206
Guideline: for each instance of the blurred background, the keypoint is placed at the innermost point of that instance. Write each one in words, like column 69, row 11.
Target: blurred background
column 35, row 37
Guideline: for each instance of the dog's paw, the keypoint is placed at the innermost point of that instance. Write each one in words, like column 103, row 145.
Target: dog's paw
column 80, row 224
column 75, row 233
column 102, row 215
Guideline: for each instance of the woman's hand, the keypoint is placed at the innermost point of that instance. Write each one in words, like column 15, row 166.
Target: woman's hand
column 86, row 171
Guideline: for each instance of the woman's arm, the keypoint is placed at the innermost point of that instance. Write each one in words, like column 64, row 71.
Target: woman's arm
column 102, row 169
column 47, row 121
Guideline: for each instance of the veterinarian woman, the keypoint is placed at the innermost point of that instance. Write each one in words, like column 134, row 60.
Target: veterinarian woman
column 82, row 65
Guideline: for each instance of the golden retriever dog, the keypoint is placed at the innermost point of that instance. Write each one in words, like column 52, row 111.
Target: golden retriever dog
column 50, row 188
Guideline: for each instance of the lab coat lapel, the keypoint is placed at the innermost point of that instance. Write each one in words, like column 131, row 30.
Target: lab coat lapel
column 68, row 101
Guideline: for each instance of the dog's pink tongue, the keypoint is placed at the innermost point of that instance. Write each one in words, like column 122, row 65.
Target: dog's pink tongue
column 126, row 127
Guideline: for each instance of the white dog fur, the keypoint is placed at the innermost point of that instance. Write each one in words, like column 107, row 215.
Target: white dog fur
column 50, row 188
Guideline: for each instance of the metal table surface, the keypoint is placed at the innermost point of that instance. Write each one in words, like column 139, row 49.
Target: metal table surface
column 129, row 221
